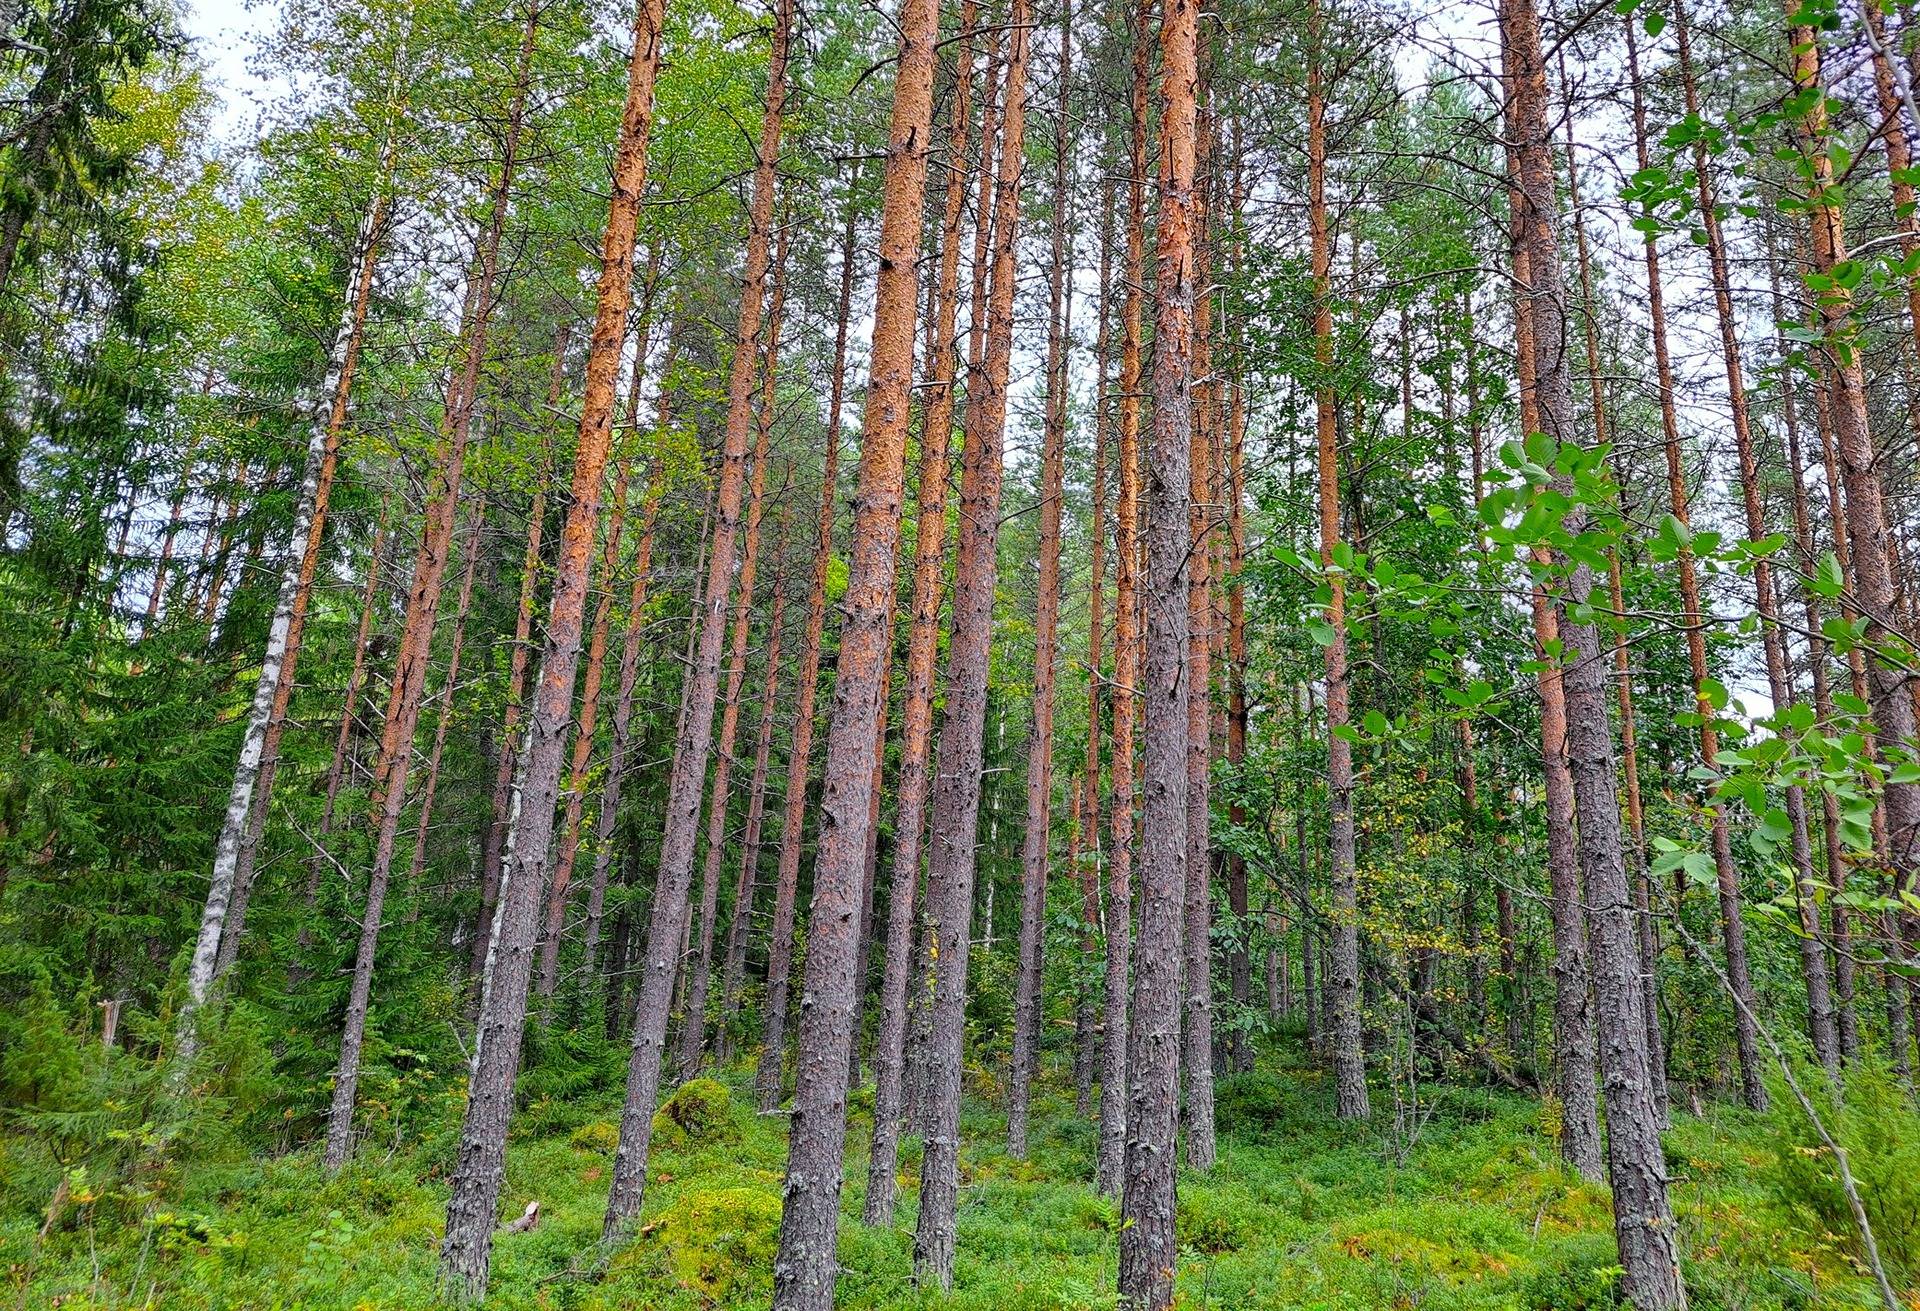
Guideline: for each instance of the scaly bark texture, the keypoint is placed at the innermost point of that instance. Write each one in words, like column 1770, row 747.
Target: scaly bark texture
column 804, row 1266
column 1643, row 1220
column 466, row 1252
column 669, row 922
column 1036, row 847
column 923, row 635
column 1865, row 511
column 957, row 777
column 1149, row 1250
column 771, row 1073
column 493, row 847
column 1110, row 1164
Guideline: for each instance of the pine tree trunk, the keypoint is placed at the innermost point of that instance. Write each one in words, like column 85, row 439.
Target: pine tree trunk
column 1865, row 521
column 1148, row 1246
column 669, row 922
column 466, row 1253
column 1343, row 985
column 1575, row 1061
column 923, row 633
column 1087, row 1004
column 266, row 715
column 1110, row 1164
column 1643, row 1220
column 747, row 885
column 621, row 747
column 1036, row 847
column 957, row 777
column 1732, row 927
column 493, row 848
column 804, row 1267
column 1623, row 677
column 700, row 968
column 560, row 883
column 771, row 1072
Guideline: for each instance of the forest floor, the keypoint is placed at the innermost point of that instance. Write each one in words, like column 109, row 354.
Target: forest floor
column 1470, row 1209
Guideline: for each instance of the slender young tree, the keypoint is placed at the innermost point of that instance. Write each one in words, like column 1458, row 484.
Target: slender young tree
column 1036, row 848
column 1343, row 986
column 296, row 585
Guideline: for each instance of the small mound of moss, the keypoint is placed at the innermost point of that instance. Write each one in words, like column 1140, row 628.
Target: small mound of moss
column 599, row 1136
column 700, row 1114
column 720, row 1242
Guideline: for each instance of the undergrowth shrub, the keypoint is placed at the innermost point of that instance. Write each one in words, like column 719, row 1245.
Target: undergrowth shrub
column 720, row 1242
column 1582, row 1274
column 1880, row 1131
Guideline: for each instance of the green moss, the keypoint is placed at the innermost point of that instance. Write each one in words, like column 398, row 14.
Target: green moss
column 699, row 1114
column 720, row 1242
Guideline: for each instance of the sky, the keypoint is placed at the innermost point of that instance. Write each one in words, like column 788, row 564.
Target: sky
column 225, row 32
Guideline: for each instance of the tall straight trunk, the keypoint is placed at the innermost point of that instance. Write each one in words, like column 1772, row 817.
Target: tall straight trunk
column 1623, row 677
column 770, row 1075
column 668, row 922
column 1196, row 1030
column 1726, row 872
column 1148, row 1247
column 923, row 635
column 176, row 511
column 1846, row 1021
column 1110, row 1164
column 957, row 778
column 747, row 885
column 1865, row 512
column 500, row 815
column 466, row 1253
column 1575, row 1061
column 567, row 850
column 1643, row 1220
column 862, row 962
column 560, row 883
column 621, row 748
column 309, row 565
column 424, row 822
column 1343, row 985
column 268, row 706
column 1086, row 1008
column 1241, row 962
column 804, row 1267
column 693, row 1025
column 1036, row 847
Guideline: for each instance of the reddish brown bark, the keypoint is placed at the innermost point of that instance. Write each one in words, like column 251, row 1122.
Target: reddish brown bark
column 1148, row 1246
column 955, row 792
column 923, row 632
column 669, row 921
column 466, row 1252
column 424, row 823
column 770, row 1074
column 804, row 1268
